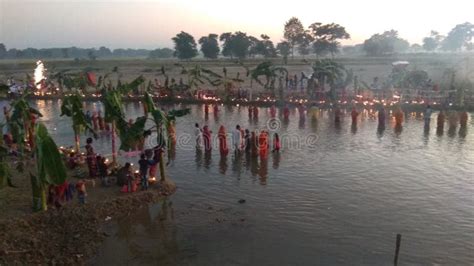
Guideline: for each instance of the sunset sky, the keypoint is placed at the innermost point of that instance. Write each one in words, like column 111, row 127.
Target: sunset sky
column 152, row 23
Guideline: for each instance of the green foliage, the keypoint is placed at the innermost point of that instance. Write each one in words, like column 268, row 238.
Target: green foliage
column 292, row 32
column 131, row 135
column 432, row 42
column 20, row 119
column 51, row 169
column 385, row 43
column 270, row 72
column 327, row 71
column 209, row 46
column 459, row 37
column 326, row 37
column 184, row 45
column 72, row 107
column 235, row 45
column 161, row 53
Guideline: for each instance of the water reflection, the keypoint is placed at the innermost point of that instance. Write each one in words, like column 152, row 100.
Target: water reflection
column 207, row 159
column 276, row 160
column 237, row 163
column 198, row 158
column 263, row 171
column 223, row 165
column 354, row 128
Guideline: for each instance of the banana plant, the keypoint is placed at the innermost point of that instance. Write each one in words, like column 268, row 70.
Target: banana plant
column 198, row 75
column 72, row 107
column 5, row 174
column 162, row 123
column 327, row 71
column 50, row 169
column 22, row 122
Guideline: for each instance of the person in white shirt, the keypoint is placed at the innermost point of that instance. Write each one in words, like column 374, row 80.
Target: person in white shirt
column 198, row 136
column 237, row 138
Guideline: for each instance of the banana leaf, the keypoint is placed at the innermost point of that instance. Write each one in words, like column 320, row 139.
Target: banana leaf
column 72, row 107
column 51, row 169
column 130, row 136
column 148, row 102
column 177, row 113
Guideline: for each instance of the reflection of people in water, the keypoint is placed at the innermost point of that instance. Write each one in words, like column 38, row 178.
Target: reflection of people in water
column 207, row 159
column 263, row 171
column 440, row 121
column 398, row 117
column 427, row 115
column 254, row 144
column 337, row 115
column 247, row 146
column 223, row 165
column 198, row 136
column 263, row 144
column 286, row 112
column 276, row 160
column 453, row 120
column 198, row 158
column 354, row 115
column 463, row 119
column 206, row 134
column 255, row 113
column 222, row 136
column 272, row 111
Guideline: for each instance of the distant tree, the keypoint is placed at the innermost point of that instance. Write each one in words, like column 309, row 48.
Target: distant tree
column 209, row 46
column 265, row 47
column 3, row 51
column 304, row 43
column 292, row 32
column 432, row 42
column 184, row 45
column 256, row 47
column 236, row 44
column 226, row 38
column 459, row 37
column 415, row 48
column 284, row 49
column 161, row 53
column 356, row 49
column 65, row 52
column 91, row 55
column 104, row 52
column 326, row 37
column 240, row 45
column 385, row 43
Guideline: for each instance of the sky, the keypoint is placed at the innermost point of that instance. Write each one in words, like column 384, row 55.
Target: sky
column 152, row 23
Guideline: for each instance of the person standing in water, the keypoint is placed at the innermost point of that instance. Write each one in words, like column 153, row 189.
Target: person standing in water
column 273, row 111
column 337, row 115
column 427, row 115
column 354, row 115
column 91, row 159
column 381, row 116
column 237, row 138
column 276, row 143
column 247, row 141
column 398, row 117
column 286, row 112
column 263, row 144
column 198, row 136
column 222, row 136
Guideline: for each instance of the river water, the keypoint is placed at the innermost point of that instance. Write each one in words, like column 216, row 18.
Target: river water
column 332, row 196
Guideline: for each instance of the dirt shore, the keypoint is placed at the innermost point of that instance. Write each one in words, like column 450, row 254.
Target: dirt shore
column 71, row 234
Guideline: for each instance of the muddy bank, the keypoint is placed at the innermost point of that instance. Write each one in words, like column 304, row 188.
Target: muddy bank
column 71, row 234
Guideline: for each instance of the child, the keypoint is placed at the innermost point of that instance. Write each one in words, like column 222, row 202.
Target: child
column 81, row 191
column 144, row 164
column 102, row 170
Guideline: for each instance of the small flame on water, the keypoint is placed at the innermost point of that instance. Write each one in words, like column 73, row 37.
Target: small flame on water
column 39, row 74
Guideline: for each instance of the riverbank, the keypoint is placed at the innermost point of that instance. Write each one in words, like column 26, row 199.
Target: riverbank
column 264, row 103
column 71, row 234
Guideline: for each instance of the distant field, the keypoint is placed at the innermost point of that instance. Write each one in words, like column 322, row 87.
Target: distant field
column 366, row 68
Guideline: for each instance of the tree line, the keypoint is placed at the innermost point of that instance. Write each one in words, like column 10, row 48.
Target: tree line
column 82, row 53
column 318, row 39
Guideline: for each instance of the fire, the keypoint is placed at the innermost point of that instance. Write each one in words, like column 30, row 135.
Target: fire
column 39, row 74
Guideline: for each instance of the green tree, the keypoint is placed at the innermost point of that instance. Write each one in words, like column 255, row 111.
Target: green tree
column 209, row 46
column 226, row 38
column 292, row 32
column 3, row 51
column 265, row 47
column 459, row 37
column 72, row 107
column 161, row 53
column 184, row 45
column 326, row 37
column 329, row 72
column 432, row 42
column 304, row 42
column 385, row 43
column 284, row 49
